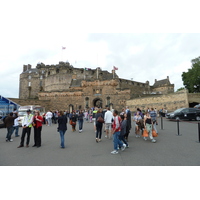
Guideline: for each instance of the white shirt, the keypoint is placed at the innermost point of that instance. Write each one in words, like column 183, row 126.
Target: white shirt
column 16, row 121
column 48, row 115
column 28, row 119
column 108, row 116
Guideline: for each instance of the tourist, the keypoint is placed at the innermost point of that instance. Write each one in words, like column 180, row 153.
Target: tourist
column 9, row 122
column 128, row 118
column 94, row 117
column 49, row 116
column 26, row 128
column 123, row 129
column 62, row 127
column 148, row 123
column 136, row 120
column 108, row 123
column 116, row 133
column 16, row 125
column 99, row 125
column 153, row 115
column 73, row 120
column 37, row 124
column 80, row 121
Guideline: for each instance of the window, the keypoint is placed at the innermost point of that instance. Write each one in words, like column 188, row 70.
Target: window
column 29, row 77
column 29, row 84
column 108, row 100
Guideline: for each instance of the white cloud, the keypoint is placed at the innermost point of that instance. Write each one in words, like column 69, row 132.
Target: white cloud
column 33, row 31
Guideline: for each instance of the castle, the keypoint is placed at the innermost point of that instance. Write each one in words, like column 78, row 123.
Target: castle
column 66, row 87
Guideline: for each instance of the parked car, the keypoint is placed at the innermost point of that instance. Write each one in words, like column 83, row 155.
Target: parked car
column 185, row 113
column 197, row 106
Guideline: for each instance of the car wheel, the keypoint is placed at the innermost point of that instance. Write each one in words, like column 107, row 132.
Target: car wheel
column 177, row 118
column 198, row 118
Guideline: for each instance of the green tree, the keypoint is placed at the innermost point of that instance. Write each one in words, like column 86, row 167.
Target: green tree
column 191, row 79
column 182, row 88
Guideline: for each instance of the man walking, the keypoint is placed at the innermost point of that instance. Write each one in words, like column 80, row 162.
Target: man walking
column 26, row 128
column 108, row 117
column 9, row 122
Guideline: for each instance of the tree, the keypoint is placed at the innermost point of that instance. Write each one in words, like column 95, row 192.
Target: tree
column 182, row 88
column 191, row 79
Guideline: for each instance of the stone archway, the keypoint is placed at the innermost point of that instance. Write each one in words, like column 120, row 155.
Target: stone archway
column 98, row 103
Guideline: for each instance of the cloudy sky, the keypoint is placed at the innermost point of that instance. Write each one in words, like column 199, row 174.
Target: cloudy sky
column 146, row 40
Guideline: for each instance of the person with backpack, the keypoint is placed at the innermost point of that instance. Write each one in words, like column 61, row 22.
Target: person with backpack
column 116, row 133
column 99, row 124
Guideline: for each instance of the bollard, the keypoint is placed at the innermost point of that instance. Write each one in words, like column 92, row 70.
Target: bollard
column 199, row 132
column 161, row 123
column 178, row 128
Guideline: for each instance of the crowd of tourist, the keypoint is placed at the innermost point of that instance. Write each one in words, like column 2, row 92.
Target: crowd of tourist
column 117, row 126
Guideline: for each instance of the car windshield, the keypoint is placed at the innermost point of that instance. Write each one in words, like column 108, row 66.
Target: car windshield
column 179, row 110
column 22, row 113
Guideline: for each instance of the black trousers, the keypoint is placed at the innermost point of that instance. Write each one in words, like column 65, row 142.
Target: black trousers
column 98, row 130
column 37, row 135
column 24, row 132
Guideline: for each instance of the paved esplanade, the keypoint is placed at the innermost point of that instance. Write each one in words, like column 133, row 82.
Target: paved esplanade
column 82, row 150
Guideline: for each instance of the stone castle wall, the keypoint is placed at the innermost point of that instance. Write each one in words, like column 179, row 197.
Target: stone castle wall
column 169, row 102
column 64, row 86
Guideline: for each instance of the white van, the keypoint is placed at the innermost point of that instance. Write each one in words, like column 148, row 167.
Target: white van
column 22, row 111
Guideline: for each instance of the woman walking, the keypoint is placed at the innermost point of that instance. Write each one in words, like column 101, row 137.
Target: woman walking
column 62, row 127
column 148, row 123
column 123, row 129
column 73, row 120
column 99, row 124
column 137, row 119
column 37, row 124
column 80, row 121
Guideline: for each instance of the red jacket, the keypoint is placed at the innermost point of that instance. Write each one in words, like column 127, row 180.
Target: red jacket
column 117, row 125
column 38, row 124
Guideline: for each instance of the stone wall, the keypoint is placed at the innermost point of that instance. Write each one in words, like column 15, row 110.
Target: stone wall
column 194, row 98
column 169, row 102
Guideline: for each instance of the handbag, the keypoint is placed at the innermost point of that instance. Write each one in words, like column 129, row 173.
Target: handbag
column 145, row 133
column 154, row 134
column 100, row 119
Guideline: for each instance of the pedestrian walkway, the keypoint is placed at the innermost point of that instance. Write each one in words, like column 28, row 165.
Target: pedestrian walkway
column 82, row 149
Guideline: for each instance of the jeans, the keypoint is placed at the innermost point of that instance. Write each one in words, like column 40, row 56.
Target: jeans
column 116, row 141
column 80, row 122
column 154, row 126
column 16, row 129
column 121, row 138
column 10, row 131
column 49, row 121
column 98, row 130
column 62, row 133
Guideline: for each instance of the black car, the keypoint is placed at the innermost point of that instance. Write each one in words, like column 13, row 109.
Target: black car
column 185, row 113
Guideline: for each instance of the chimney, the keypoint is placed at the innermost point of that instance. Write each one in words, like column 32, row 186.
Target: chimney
column 24, row 68
column 155, row 80
column 168, row 77
column 29, row 66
